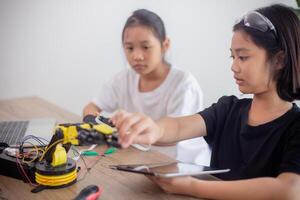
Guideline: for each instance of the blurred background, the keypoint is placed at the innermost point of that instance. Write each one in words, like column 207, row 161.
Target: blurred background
column 63, row 50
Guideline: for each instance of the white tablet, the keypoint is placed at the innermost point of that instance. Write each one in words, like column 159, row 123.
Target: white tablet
column 173, row 169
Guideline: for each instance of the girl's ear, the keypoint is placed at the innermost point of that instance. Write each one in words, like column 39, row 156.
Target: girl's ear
column 165, row 45
column 279, row 60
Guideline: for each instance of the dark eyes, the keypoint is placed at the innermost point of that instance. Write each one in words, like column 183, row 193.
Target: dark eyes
column 144, row 47
column 242, row 58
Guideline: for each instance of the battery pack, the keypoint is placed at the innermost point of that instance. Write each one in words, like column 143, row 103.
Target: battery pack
column 10, row 167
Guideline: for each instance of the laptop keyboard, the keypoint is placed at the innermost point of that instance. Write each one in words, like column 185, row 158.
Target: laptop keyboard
column 12, row 132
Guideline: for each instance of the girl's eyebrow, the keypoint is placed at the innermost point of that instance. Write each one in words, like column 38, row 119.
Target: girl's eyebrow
column 145, row 42
column 142, row 42
column 127, row 43
column 238, row 50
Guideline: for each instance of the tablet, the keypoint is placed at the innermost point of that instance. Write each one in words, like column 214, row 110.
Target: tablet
column 173, row 169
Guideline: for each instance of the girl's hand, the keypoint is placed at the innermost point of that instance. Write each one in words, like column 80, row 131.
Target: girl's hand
column 177, row 185
column 135, row 128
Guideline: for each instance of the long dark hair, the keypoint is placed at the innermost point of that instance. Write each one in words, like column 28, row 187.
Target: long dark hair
column 286, row 40
column 143, row 17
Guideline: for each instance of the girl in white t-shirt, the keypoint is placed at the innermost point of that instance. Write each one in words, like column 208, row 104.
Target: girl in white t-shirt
column 151, row 85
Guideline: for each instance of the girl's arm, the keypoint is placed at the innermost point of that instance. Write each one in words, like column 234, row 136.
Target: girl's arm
column 181, row 128
column 138, row 128
column 285, row 186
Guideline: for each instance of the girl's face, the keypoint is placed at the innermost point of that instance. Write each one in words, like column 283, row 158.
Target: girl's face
column 250, row 65
column 143, row 50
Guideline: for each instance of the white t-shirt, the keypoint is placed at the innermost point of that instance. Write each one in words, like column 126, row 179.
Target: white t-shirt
column 178, row 95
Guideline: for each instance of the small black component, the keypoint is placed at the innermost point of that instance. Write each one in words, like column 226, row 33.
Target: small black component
column 38, row 188
column 90, row 119
column 3, row 146
column 105, row 121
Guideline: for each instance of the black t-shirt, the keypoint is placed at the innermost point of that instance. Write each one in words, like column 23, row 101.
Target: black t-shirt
column 251, row 151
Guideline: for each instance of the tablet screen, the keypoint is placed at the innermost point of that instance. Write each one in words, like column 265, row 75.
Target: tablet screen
column 170, row 169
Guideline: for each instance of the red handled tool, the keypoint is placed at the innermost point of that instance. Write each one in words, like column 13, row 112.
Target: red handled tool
column 91, row 192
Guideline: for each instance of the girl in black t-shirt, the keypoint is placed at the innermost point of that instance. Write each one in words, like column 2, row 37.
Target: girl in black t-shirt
column 258, row 138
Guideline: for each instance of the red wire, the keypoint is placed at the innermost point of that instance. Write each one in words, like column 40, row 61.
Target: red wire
column 24, row 173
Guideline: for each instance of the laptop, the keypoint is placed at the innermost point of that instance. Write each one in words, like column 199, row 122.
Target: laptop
column 12, row 132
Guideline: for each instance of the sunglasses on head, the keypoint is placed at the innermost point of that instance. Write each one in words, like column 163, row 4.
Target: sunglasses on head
column 255, row 20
